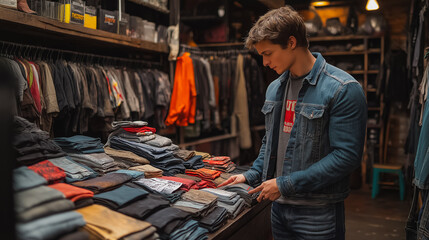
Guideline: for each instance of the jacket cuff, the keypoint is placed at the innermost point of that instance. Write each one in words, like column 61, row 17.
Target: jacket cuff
column 284, row 183
column 252, row 177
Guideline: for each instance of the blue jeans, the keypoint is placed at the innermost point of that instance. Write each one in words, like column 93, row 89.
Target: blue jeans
column 294, row 222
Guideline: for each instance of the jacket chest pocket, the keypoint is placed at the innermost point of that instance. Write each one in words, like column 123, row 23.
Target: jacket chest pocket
column 267, row 110
column 311, row 120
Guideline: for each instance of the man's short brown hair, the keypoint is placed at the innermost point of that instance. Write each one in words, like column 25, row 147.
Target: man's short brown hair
column 277, row 26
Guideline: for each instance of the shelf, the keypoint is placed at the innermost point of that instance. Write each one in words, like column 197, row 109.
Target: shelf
column 356, row 72
column 373, row 71
column 257, row 128
column 337, row 38
column 374, row 50
column 149, row 5
column 371, row 90
column 206, row 140
column 12, row 20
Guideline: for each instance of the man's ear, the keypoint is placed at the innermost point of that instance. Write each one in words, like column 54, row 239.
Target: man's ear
column 292, row 42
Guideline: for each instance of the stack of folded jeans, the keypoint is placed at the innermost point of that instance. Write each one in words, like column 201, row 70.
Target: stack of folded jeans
column 234, row 209
column 167, row 220
column 31, row 144
column 49, row 171
column 220, row 163
column 223, row 196
column 105, row 183
column 145, row 207
column 114, row 225
column 50, row 227
column 80, row 144
column 194, row 162
column 74, row 171
column 171, row 197
column 196, row 202
column 125, row 159
column 132, row 137
column 148, row 170
column 203, row 173
column 99, row 162
column 79, row 196
column 119, row 197
column 215, row 219
column 243, row 189
column 184, row 154
column 41, row 201
column 189, row 231
column 186, row 183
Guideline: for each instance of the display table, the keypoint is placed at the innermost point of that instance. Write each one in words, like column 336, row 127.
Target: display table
column 252, row 223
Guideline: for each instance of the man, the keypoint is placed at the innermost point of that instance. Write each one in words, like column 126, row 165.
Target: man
column 315, row 118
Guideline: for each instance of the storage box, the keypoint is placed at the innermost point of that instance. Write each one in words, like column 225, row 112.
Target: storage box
column 107, row 20
column 124, row 24
column 77, row 11
column 90, row 17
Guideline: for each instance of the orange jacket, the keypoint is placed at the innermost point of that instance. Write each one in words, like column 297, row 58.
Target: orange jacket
column 184, row 96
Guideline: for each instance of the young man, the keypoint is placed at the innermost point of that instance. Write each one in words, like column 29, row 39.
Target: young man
column 315, row 118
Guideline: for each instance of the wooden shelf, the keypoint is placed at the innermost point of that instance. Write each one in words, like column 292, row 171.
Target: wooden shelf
column 146, row 4
column 12, row 19
column 206, row 140
column 373, row 71
column 356, row 72
column 371, row 90
column 374, row 50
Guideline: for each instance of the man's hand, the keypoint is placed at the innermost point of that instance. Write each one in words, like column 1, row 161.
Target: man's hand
column 268, row 189
column 233, row 180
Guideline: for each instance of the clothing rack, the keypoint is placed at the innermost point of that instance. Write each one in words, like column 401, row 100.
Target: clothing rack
column 10, row 49
column 221, row 52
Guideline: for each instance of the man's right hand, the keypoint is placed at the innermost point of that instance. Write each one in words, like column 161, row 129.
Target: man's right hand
column 233, row 180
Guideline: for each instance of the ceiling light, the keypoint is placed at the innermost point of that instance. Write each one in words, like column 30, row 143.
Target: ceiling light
column 371, row 5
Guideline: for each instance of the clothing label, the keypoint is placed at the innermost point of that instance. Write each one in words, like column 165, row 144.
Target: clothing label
column 289, row 116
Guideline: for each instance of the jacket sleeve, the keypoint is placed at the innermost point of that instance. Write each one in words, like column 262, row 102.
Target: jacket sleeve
column 254, row 174
column 347, row 126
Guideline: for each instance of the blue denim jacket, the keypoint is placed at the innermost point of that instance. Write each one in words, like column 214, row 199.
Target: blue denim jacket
column 326, row 140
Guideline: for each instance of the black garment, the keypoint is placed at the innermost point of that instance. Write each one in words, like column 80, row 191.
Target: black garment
column 203, row 92
column 167, row 220
column 143, row 208
column 31, row 144
column 148, row 83
column 215, row 219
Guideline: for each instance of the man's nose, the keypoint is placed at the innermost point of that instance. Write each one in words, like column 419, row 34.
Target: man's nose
column 265, row 62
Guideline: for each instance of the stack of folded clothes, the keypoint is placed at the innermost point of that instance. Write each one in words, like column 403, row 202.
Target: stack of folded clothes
column 148, row 170
column 220, row 163
column 243, row 189
column 194, row 162
column 145, row 207
column 159, row 185
column 184, row 154
column 79, row 196
column 103, row 223
column 231, row 201
column 49, row 171
column 119, row 197
column 132, row 173
column 171, row 197
column 80, row 144
column 99, row 162
column 105, row 183
column 41, row 212
column 189, row 230
column 204, row 155
column 203, row 173
column 167, row 220
column 135, row 131
column 125, row 159
column 74, row 171
column 196, row 202
column 31, row 144
column 214, row 220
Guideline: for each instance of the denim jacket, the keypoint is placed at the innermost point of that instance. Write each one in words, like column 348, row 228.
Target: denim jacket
column 326, row 140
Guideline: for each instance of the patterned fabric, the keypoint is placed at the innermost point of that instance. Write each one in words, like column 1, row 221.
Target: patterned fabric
column 49, row 171
column 203, row 173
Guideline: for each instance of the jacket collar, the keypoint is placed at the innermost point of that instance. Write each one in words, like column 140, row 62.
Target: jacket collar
column 314, row 74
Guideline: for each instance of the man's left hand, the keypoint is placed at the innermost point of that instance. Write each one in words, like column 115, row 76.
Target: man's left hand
column 268, row 189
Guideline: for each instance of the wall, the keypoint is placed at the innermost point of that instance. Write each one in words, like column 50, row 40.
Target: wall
column 395, row 12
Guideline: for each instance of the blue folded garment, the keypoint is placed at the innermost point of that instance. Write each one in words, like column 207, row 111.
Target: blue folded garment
column 132, row 173
column 119, row 197
column 25, row 178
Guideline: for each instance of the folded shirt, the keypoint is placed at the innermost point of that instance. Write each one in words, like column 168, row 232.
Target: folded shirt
column 100, row 162
column 194, row 162
column 74, row 171
column 119, row 124
column 103, row 223
column 159, row 185
column 159, row 141
column 243, row 190
column 49, row 171
column 120, row 155
column 119, row 197
column 214, row 220
column 204, row 155
column 80, row 144
column 107, row 182
column 203, row 173
column 233, row 210
column 72, row 193
column 222, row 195
column 134, row 174
column 27, row 199
column 186, row 183
column 24, row 178
column 139, row 129
column 148, row 170
column 45, row 209
column 50, row 227
column 184, row 154
column 167, row 219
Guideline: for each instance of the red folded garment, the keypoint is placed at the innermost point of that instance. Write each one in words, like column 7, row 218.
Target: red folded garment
column 215, row 162
column 186, row 183
column 71, row 192
column 206, row 184
column 139, row 129
column 203, row 173
column 49, row 171
column 220, row 158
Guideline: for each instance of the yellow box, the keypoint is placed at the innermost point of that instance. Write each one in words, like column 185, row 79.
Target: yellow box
column 90, row 21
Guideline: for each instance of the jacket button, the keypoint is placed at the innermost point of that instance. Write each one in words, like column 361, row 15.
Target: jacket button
column 312, row 114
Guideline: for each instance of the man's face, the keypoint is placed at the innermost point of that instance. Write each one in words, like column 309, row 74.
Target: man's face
column 274, row 56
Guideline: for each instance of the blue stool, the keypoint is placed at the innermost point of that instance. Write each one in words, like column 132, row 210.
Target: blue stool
column 379, row 168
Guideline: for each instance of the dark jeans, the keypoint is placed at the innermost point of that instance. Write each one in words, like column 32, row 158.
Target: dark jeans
column 418, row 219
column 308, row 222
